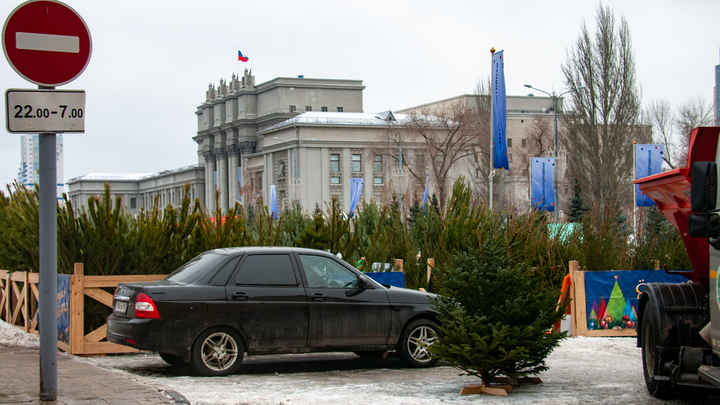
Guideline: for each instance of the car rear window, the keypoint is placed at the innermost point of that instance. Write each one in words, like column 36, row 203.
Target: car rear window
column 190, row 271
column 266, row 270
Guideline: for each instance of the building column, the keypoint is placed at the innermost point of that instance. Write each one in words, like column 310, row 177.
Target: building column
column 246, row 148
column 234, row 163
column 209, row 188
column 222, row 169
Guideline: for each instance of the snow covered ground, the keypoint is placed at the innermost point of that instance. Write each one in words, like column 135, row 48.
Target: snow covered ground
column 11, row 336
column 582, row 371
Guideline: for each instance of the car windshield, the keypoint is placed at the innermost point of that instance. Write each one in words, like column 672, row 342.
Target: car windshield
column 190, row 271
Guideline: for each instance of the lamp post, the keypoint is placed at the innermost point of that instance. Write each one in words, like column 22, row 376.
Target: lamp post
column 555, row 100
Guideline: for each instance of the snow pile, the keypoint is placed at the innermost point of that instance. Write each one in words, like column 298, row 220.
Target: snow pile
column 12, row 336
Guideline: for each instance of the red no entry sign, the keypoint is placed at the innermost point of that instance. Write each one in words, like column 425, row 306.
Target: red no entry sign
column 46, row 42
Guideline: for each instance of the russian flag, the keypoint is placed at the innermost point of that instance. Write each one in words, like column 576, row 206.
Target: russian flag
column 242, row 57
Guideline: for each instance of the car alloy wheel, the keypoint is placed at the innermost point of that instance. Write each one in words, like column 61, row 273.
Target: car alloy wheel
column 420, row 341
column 415, row 343
column 218, row 352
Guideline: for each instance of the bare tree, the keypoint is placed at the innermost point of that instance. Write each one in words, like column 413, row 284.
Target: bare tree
column 672, row 128
column 691, row 114
column 540, row 138
column 440, row 139
column 604, row 122
column 660, row 116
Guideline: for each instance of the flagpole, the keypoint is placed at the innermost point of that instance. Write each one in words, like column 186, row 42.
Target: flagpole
column 634, row 192
column 491, row 174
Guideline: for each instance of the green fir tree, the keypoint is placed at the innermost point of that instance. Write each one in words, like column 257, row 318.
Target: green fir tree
column 578, row 209
column 494, row 317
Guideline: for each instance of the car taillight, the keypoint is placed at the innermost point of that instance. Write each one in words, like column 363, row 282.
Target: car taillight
column 145, row 307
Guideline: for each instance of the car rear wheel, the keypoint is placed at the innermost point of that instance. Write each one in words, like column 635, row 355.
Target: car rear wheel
column 217, row 352
column 415, row 341
column 172, row 359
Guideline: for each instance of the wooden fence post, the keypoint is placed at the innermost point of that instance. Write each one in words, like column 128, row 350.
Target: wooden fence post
column 77, row 310
column 26, row 302
column 574, row 265
column 4, row 311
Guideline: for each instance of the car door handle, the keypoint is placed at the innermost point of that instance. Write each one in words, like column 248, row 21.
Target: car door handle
column 240, row 296
column 318, row 297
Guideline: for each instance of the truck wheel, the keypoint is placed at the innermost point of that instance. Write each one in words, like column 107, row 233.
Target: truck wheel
column 415, row 340
column 217, row 352
column 651, row 358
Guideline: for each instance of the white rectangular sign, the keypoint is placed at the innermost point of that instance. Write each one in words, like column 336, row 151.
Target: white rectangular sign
column 36, row 111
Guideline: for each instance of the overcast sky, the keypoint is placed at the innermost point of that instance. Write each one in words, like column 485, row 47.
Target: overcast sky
column 152, row 61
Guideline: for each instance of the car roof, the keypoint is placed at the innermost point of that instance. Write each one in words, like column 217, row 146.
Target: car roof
column 268, row 249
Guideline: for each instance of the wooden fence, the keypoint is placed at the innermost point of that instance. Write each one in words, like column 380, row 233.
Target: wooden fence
column 18, row 299
column 18, row 307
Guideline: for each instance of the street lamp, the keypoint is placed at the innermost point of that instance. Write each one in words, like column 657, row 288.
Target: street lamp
column 555, row 100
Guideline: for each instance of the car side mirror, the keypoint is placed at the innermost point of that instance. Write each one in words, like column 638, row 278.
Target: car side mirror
column 703, row 186
column 704, row 225
column 363, row 283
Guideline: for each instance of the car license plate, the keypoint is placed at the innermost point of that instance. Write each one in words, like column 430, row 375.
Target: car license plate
column 121, row 306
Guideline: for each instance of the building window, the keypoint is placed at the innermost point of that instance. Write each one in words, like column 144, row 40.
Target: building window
column 356, row 166
column 567, row 189
column 308, row 108
column 509, row 158
column 509, row 143
column 133, row 203
column 377, row 165
column 339, row 109
column 378, row 180
column 524, row 142
column 323, row 109
column 334, row 162
column 292, row 108
column 335, row 180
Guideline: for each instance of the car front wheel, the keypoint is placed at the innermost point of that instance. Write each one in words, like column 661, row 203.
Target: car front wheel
column 415, row 341
column 217, row 352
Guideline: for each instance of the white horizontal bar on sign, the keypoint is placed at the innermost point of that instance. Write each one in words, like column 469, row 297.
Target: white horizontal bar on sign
column 47, row 42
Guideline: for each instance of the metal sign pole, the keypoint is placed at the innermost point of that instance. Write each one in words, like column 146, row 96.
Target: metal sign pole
column 47, row 301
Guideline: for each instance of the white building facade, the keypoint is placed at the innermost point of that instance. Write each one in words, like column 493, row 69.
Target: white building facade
column 308, row 138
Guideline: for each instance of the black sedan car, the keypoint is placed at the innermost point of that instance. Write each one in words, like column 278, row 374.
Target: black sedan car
column 228, row 302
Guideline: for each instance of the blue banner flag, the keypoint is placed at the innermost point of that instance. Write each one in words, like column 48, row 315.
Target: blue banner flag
column 500, row 159
column 427, row 177
column 543, row 170
column 648, row 161
column 356, row 185
column 273, row 202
